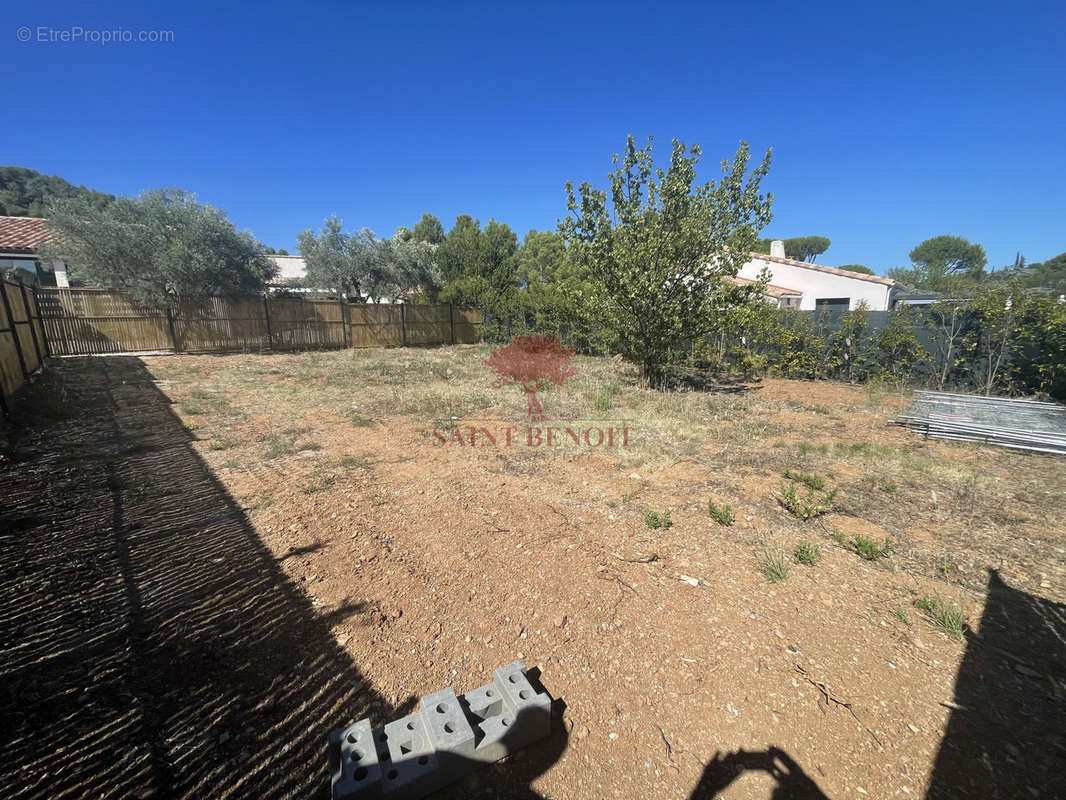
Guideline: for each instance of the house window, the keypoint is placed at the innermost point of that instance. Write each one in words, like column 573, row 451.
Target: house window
column 832, row 304
column 14, row 267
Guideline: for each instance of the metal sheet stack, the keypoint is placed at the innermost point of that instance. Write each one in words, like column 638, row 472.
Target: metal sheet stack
column 1018, row 424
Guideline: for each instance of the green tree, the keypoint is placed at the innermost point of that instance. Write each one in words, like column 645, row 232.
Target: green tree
column 331, row 259
column 460, row 252
column 162, row 245
column 800, row 248
column 950, row 323
column 409, row 266
column 664, row 248
column 898, row 351
column 997, row 311
column 1050, row 274
column 860, row 268
column 806, row 248
column 361, row 265
column 940, row 259
column 559, row 295
column 1041, row 362
column 479, row 266
column 428, row 229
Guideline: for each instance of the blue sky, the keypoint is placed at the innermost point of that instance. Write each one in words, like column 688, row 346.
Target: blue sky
column 889, row 123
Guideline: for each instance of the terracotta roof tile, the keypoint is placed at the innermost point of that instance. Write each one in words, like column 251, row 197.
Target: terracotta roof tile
column 772, row 289
column 23, row 234
column 831, row 270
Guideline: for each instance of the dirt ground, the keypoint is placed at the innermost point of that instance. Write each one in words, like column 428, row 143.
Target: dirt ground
column 372, row 539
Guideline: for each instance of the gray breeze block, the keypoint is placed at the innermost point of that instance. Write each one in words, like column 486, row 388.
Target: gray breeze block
column 447, row 738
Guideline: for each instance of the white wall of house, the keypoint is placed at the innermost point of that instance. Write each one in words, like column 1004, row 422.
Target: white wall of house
column 817, row 285
column 289, row 267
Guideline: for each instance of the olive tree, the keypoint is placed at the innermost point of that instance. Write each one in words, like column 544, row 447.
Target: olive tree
column 161, row 246
column 664, row 248
column 360, row 265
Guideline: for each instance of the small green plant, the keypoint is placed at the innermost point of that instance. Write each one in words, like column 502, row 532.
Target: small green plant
column 806, row 553
column 655, row 520
column 902, row 616
column 809, row 506
column 774, row 566
column 812, row 480
column 945, row 617
column 358, row 420
column 805, row 448
column 319, row 484
column 888, row 486
column 864, row 546
column 605, row 398
column 276, row 446
column 722, row 514
column 868, row 548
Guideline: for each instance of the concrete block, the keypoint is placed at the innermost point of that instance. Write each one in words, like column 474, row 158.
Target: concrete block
column 447, row 738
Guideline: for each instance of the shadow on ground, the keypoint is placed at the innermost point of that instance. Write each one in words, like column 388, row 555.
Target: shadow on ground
column 1006, row 736
column 150, row 645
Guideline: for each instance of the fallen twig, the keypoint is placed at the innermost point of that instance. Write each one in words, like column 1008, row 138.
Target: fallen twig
column 830, row 698
column 669, row 747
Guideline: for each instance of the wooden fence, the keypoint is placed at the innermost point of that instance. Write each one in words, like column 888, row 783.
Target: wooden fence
column 93, row 321
column 23, row 346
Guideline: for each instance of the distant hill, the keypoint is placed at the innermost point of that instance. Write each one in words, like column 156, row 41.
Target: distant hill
column 24, row 192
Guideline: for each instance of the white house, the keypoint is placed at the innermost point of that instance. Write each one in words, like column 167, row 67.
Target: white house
column 819, row 287
column 289, row 267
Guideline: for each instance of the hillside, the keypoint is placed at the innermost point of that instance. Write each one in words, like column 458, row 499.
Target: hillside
column 25, row 192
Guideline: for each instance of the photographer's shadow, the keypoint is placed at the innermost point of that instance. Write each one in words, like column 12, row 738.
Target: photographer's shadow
column 792, row 782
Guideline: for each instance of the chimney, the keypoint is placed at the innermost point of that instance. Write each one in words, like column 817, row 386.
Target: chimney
column 777, row 248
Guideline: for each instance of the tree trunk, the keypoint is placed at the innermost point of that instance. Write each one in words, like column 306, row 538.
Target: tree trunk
column 533, row 406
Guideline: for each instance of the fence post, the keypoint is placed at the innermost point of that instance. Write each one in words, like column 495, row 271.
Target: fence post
column 14, row 328
column 451, row 320
column 29, row 319
column 403, row 323
column 40, row 319
column 345, row 331
column 266, row 312
column 170, row 327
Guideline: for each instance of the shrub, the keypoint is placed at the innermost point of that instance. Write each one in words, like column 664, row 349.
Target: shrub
column 869, row 549
column 774, row 566
column 864, row 546
column 810, row 505
column 811, row 480
column 945, row 617
column 806, row 553
column 722, row 514
column 655, row 521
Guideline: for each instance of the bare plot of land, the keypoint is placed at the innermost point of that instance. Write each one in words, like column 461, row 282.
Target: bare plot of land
column 241, row 552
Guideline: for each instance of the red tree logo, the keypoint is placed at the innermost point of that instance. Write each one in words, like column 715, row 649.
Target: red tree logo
column 533, row 363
